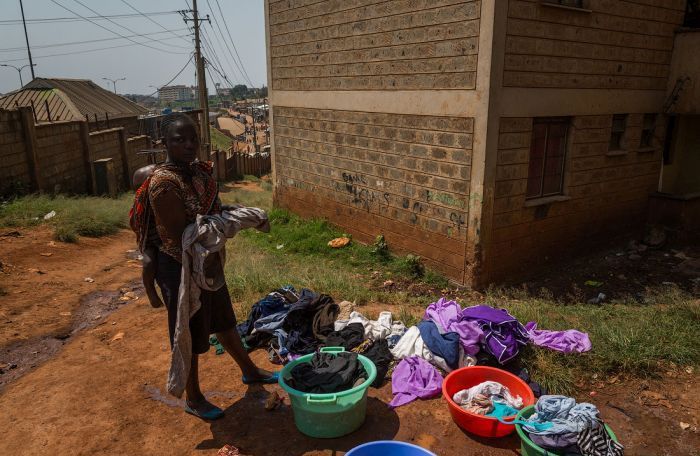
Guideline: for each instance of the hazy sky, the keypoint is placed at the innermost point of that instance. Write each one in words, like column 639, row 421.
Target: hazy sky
column 140, row 65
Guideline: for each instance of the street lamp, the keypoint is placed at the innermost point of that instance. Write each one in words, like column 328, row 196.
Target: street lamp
column 114, row 82
column 19, row 70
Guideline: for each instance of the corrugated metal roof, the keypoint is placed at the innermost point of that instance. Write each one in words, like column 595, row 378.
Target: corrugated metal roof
column 59, row 107
column 71, row 99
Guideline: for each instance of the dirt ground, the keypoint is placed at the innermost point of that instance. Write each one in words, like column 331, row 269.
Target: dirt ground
column 83, row 368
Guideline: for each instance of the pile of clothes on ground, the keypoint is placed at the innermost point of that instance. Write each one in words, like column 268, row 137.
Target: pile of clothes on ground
column 560, row 424
column 450, row 337
column 290, row 324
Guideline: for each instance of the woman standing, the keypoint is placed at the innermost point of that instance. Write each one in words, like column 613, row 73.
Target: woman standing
column 176, row 193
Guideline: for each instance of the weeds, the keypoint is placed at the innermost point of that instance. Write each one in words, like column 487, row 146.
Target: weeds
column 631, row 336
column 75, row 216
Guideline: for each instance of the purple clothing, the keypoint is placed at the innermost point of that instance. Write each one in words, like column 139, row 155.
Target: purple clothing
column 447, row 315
column 503, row 334
column 568, row 341
column 414, row 378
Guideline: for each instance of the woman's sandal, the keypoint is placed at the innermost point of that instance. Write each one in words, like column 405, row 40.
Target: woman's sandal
column 212, row 413
column 269, row 380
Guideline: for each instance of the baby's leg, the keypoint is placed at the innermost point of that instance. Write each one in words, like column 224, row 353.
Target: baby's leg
column 148, row 275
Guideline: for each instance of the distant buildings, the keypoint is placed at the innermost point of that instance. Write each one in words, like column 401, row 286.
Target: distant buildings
column 168, row 94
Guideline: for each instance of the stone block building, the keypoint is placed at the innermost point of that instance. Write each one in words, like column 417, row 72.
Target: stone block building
column 488, row 137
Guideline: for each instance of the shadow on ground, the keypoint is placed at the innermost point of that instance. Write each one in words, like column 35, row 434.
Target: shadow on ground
column 248, row 427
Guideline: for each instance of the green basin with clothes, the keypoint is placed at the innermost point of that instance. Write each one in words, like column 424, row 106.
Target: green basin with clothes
column 528, row 447
column 333, row 414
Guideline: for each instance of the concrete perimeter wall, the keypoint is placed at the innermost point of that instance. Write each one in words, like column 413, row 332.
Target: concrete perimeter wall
column 57, row 157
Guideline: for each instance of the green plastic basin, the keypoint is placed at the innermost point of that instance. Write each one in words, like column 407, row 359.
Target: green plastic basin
column 528, row 447
column 328, row 415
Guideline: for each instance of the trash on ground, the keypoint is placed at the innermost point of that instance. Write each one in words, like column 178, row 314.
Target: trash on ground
column 280, row 246
column 50, row 215
column 338, row 242
column 117, row 336
column 228, row 450
column 273, row 401
column 89, row 279
column 598, row 299
column 684, row 426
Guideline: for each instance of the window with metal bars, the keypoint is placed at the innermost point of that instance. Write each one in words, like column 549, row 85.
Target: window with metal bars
column 617, row 133
column 547, row 156
column 648, row 126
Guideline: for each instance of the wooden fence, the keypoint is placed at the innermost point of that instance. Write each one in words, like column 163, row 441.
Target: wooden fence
column 240, row 164
column 232, row 165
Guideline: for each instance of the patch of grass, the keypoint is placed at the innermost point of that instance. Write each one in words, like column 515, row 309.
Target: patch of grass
column 304, row 259
column 75, row 216
column 219, row 141
column 627, row 338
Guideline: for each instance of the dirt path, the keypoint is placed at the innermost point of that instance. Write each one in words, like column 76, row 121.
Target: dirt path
column 52, row 290
column 102, row 392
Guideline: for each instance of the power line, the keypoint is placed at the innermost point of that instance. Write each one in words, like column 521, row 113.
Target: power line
column 232, row 43
column 213, row 53
column 240, row 69
column 226, row 56
column 147, row 17
column 174, row 77
column 71, row 43
column 125, row 27
column 85, row 51
column 112, row 31
column 49, row 20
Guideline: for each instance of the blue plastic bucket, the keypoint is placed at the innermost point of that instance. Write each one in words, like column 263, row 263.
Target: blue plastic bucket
column 388, row 448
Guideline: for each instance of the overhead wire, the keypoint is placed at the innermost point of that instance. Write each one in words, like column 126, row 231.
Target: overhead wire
column 72, row 43
column 232, row 42
column 174, row 77
column 49, row 20
column 210, row 48
column 146, row 16
column 112, row 31
column 123, row 26
column 216, row 22
column 226, row 56
column 79, row 52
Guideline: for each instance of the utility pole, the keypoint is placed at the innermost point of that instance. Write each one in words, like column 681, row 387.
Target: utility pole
column 114, row 82
column 26, row 37
column 201, row 80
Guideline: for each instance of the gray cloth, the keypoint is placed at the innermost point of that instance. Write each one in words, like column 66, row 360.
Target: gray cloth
column 271, row 323
column 206, row 236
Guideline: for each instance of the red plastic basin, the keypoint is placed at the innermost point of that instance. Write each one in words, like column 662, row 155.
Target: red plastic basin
column 481, row 425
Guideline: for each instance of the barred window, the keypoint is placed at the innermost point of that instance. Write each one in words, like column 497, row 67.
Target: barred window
column 617, row 133
column 648, row 125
